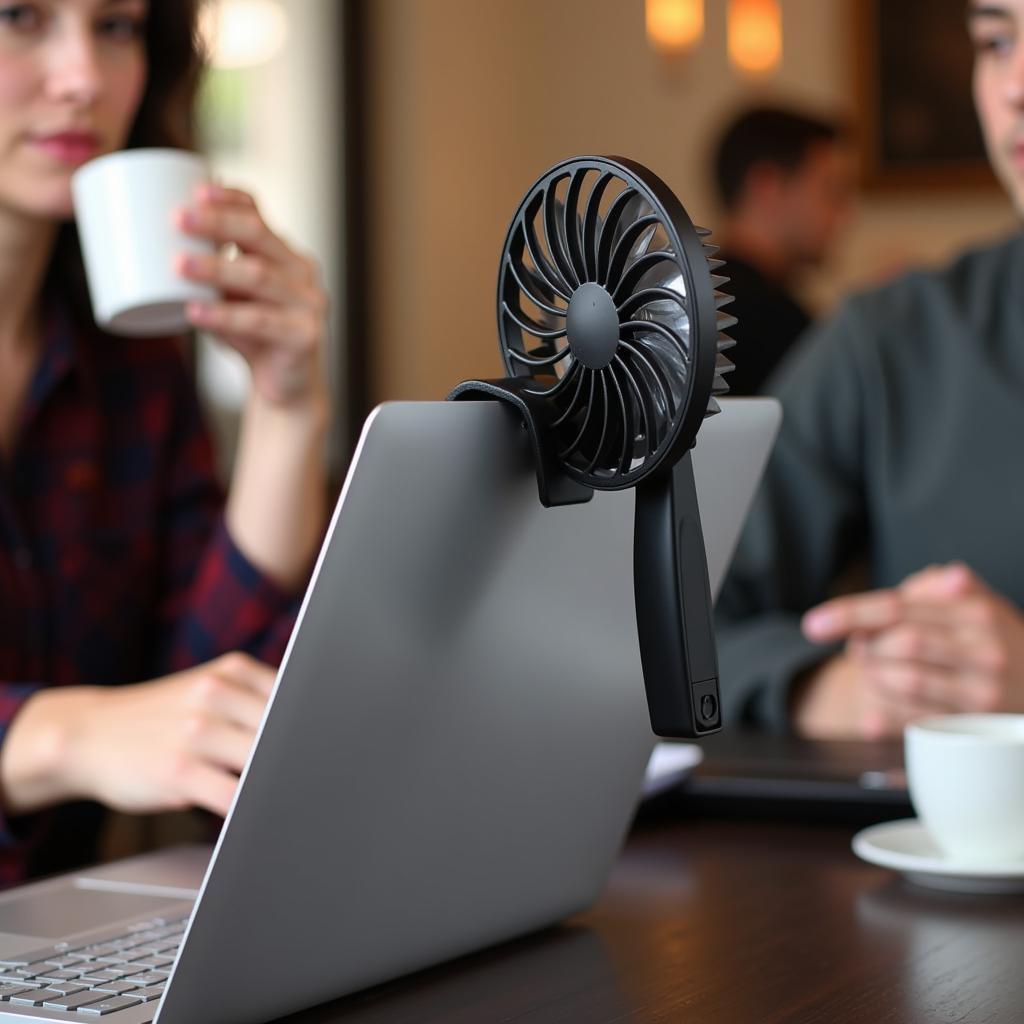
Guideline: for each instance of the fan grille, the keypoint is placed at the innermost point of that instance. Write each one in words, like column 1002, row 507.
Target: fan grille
column 608, row 300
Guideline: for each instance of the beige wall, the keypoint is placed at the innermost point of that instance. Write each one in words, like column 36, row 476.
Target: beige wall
column 472, row 99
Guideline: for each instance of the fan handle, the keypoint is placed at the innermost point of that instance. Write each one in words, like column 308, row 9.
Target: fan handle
column 673, row 606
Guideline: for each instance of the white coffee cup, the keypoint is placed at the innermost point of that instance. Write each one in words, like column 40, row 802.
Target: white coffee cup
column 966, row 779
column 124, row 206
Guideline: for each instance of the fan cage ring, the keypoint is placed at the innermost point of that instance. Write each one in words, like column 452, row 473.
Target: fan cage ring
column 551, row 266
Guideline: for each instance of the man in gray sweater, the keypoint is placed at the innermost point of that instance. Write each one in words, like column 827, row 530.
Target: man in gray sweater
column 902, row 451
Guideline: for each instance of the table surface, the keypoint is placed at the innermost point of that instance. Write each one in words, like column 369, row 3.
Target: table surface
column 730, row 922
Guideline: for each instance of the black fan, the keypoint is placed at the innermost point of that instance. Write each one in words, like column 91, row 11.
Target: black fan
column 611, row 328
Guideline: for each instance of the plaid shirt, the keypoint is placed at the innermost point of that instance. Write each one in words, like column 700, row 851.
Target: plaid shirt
column 115, row 562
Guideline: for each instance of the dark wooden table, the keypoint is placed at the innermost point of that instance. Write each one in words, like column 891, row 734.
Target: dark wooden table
column 728, row 922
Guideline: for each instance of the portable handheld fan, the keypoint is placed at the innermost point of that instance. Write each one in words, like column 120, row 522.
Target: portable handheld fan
column 610, row 325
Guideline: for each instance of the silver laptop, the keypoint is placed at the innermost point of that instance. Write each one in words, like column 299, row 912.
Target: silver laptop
column 451, row 756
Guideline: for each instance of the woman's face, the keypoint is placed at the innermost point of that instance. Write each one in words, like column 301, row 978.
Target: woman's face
column 72, row 74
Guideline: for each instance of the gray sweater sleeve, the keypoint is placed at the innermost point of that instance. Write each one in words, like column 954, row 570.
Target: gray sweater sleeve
column 807, row 522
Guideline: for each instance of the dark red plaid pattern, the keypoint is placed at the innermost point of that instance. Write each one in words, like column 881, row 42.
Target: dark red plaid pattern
column 115, row 563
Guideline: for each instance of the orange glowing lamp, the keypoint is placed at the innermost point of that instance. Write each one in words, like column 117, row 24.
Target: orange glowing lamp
column 755, row 35
column 674, row 26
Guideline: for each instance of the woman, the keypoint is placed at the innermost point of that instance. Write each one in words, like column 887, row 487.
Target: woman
column 119, row 560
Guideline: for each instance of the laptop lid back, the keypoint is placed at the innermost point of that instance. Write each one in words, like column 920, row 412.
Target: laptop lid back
column 457, row 737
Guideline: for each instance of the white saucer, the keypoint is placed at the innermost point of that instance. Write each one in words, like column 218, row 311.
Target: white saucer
column 905, row 846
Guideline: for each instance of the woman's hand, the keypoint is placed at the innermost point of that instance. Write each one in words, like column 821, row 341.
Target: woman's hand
column 179, row 741
column 273, row 308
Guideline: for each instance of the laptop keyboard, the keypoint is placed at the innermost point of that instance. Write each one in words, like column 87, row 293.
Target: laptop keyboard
column 110, row 973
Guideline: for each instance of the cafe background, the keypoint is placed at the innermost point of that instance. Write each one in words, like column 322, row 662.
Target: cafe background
column 394, row 139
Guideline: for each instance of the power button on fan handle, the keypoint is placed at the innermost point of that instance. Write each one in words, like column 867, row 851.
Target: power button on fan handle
column 708, row 707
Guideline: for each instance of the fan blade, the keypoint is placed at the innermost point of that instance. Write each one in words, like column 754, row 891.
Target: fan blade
column 522, row 357
column 621, row 252
column 553, row 236
column 540, row 261
column 609, row 229
column 649, row 416
column 591, row 223
column 539, row 303
column 663, row 386
column 628, row 427
column 668, row 350
column 632, row 276
column 561, row 383
column 524, row 323
column 575, row 396
column 599, row 450
column 665, row 331
column 572, row 225
column 574, row 444
column 640, row 299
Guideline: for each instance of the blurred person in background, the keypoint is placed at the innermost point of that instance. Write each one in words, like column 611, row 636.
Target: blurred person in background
column 900, row 447
column 141, row 609
column 785, row 183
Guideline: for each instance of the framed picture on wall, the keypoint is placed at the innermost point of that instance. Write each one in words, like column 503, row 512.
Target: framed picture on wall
column 916, row 118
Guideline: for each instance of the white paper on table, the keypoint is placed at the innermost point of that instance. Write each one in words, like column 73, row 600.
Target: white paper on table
column 669, row 764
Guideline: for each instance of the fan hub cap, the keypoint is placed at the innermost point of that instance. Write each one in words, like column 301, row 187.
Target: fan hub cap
column 592, row 326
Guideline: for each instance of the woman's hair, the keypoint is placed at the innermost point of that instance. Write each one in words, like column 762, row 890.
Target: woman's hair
column 175, row 61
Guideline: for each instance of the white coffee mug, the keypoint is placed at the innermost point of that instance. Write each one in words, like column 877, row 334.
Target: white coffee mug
column 966, row 779
column 124, row 205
